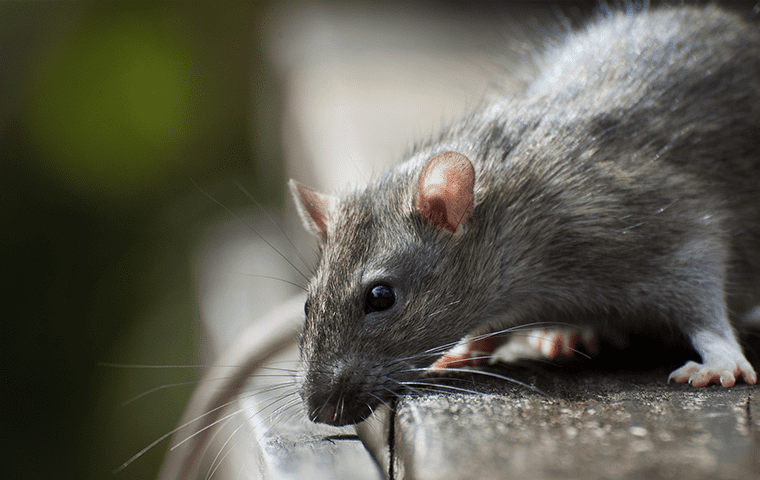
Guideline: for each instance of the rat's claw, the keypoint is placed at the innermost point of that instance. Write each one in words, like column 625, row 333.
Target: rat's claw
column 726, row 373
column 469, row 352
column 551, row 343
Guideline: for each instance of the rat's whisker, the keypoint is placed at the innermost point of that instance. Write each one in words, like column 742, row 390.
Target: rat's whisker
column 574, row 350
column 168, row 434
column 181, row 384
column 210, row 440
column 393, row 393
column 255, row 232
column 292, row 405
column 157, row 389
column 277, row 224
column 216, row 422
column 486, row 373
column 380, row 399
column 214, row 465
column 272, row 400
column 279, row 388
column 441, row 386
column 163, row 367
column 253, row 275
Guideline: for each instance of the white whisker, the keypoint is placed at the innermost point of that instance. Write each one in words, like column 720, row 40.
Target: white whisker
column 441, row 386
column 167, row 435
column 494, row 375
column 214, row 465
column 209, row 426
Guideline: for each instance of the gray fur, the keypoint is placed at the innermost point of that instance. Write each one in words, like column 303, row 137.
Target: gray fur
column 621, row 190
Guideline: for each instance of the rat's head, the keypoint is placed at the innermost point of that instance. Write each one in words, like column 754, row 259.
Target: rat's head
column 386, row 289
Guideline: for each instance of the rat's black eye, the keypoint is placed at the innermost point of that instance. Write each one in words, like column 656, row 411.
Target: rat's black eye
column 307, row 307
column 380, row 297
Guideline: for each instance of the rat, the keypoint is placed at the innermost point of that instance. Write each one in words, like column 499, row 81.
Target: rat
column 619, row 191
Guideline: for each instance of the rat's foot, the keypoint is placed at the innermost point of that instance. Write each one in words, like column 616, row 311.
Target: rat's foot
column 531, row 344
column 555, row 342
column 469, row 353
column 546, row 344
column 722, row 361
column 725, row 373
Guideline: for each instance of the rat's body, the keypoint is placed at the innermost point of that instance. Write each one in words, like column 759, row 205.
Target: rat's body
column 620, row 190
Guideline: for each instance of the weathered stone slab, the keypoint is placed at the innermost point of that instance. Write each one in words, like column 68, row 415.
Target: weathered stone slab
column 607, row 428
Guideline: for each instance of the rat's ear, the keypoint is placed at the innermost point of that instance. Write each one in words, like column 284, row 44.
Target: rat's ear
column 445, row 192
column 313, row 207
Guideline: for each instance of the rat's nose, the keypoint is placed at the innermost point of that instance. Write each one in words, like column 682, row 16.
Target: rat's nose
column 340, row 414
column 343, row 398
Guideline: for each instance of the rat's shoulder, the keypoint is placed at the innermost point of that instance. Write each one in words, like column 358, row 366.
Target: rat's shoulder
column 650, row 42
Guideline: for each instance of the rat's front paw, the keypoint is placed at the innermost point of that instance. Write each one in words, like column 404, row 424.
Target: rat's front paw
column 555, row 342
column 546, row 343
column 469, row 352
column 726, row 373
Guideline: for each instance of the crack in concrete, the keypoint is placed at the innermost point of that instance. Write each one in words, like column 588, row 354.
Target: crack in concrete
column 392, row 441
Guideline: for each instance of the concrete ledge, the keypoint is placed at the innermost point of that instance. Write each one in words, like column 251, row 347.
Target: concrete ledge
column 593, row 419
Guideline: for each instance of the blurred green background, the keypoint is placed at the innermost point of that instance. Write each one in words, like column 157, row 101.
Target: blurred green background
column 110, row 113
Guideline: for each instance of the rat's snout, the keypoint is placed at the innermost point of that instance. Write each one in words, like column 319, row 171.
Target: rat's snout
column 340, row 395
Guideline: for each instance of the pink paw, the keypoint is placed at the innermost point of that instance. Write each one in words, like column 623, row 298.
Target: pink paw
column 726, row 373
column 470, row 354
column 535, row 344
column 562, row 341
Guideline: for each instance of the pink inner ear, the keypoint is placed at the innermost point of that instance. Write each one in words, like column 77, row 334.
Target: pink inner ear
column 314, row 208
column 445, row 191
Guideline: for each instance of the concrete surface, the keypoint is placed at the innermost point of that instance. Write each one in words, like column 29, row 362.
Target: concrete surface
column 627, row 426
column 611, row 417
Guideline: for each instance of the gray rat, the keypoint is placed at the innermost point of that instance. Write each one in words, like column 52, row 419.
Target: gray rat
column 620, row 190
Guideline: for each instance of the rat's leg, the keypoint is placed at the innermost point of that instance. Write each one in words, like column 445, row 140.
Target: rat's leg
column 704, row 320
column 722, row 359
